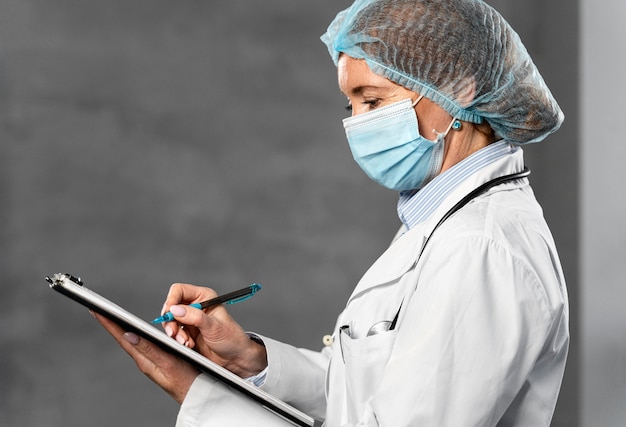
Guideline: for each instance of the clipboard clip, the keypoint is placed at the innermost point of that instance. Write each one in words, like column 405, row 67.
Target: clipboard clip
column 60, row 277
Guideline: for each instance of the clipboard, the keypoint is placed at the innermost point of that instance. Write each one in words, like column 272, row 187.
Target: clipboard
column 72, row 287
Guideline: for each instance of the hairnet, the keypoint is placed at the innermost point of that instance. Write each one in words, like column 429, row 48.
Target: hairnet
column 461, row 54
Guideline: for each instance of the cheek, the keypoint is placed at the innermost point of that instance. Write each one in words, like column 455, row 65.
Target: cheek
column 432, row 119
column 358, row 108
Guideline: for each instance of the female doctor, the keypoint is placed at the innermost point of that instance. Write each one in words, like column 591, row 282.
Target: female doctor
column 463, row 320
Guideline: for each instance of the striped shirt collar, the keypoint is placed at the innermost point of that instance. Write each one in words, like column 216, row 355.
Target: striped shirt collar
column 415, row 206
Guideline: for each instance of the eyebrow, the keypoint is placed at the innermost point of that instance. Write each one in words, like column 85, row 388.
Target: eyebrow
column 360, row 89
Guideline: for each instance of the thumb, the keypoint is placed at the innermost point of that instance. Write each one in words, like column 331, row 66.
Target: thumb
column 188, row 315
column 149, row 359
column 131, row 338
column 209, row 326
column 139, row 348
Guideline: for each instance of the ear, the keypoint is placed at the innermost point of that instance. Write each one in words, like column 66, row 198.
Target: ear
column 465, row 97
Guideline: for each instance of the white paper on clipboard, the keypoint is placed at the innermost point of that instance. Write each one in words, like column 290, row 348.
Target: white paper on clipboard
column 73, row 288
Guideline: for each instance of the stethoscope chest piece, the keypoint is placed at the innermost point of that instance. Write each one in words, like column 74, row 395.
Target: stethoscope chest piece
column 379, row 327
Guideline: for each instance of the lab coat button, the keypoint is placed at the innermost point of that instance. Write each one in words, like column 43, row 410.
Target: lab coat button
column 327, row 340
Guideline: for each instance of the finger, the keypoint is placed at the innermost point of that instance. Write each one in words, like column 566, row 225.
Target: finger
column 149, row 359
column 181, row 333
column 146, row 355
column 191, row 316
column 169, row 372
column 123, row 338
column 160, row 366
column 184, row 337
column 212, row 327
column 182, row 293
column 111, row 327
column 216, row 328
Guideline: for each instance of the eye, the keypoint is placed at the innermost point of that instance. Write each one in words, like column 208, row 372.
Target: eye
column 372, row 103
column 364, row 105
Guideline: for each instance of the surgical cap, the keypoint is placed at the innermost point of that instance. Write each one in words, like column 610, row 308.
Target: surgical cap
column 461, row 54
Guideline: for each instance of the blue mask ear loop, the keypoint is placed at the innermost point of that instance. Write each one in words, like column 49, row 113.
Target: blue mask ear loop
column 417, row 100
column 454, row 124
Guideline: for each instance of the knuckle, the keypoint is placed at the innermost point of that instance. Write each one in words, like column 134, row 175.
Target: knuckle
column 174, row 287
column 143, row 366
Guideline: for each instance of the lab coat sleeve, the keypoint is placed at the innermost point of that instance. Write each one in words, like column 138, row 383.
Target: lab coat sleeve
column 472, row 331
column 210, row 403
column 295, row 376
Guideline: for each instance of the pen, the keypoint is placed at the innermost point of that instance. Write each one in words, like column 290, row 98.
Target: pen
column 229, row 298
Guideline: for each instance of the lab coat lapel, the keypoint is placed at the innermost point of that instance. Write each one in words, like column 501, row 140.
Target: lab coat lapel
column 399, row 258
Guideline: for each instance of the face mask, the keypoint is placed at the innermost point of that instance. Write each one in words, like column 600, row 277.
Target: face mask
column 387, row 145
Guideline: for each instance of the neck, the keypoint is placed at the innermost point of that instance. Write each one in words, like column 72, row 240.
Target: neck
column 463, row 143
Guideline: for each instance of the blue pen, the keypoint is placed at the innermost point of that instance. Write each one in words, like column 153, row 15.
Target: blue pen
column 229, row 298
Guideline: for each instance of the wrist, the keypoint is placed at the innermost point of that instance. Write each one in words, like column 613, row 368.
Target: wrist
column 254, row 359
column 179, row 391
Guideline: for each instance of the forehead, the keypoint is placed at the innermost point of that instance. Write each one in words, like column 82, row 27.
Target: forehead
column 354, row 75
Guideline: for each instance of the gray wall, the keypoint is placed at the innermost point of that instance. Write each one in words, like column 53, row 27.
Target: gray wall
column 603, row 209
column 149, row 142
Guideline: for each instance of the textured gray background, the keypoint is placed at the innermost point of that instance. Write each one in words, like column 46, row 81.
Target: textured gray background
column 603, row 209
column 149, row 142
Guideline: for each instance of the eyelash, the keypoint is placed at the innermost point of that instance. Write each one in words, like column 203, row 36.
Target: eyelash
column 372, row 104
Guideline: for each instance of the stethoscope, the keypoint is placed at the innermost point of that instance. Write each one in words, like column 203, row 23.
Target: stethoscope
column 387, row 325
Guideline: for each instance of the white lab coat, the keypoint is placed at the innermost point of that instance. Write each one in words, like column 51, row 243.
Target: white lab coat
column 481, row 339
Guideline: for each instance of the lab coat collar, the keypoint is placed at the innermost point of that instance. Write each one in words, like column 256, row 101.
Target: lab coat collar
column 403, row 253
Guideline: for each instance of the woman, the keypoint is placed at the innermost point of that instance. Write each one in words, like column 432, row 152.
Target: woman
column 463, row 321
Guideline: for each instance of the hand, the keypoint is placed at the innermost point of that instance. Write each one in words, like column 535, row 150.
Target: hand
column 168, row 371
column 214, row 334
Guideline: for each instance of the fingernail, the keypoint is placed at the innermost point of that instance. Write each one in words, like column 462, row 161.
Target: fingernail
column 178, row 310
column 92, row 313
column 169, row 331
column 180, row 339
column 131, row 338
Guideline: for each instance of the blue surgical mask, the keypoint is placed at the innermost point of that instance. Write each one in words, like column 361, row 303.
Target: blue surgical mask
column 387, row 145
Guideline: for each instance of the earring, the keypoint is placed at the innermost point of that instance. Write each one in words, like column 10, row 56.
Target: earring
column 457, row 125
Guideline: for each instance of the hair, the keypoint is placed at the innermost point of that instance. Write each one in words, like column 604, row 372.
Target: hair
column 461, row 54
